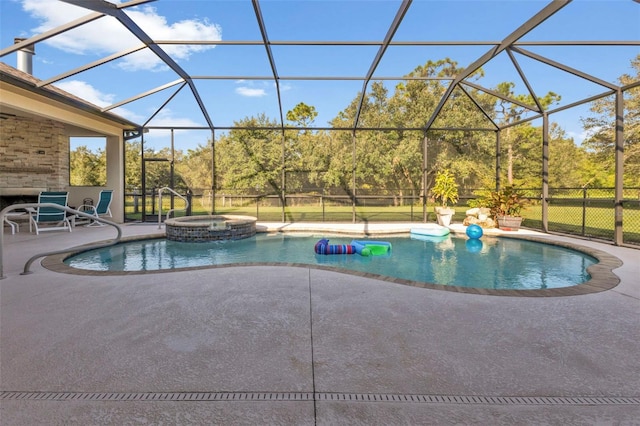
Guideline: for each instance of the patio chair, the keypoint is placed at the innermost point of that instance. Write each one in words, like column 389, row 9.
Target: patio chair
column 42, row 217
column 102, row 208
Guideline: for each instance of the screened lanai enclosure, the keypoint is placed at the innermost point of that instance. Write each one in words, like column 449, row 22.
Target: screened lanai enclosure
column 348, row 110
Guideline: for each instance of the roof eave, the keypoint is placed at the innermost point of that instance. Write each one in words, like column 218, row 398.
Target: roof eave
column 74, row 103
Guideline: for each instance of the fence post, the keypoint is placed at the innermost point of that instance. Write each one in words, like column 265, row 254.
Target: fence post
column 584, row 211
column 136, row 200
column 189, row 202
column 413, row 199
column 153, row 202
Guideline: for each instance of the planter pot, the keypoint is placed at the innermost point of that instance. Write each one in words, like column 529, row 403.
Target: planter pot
column 444, row 215
column 509, row 223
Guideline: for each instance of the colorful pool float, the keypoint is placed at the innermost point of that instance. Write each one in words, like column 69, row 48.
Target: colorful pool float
column 323, row 247
column 371, row 248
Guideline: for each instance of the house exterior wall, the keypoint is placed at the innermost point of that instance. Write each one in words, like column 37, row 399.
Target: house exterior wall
column 44, row 125
column 34, row 153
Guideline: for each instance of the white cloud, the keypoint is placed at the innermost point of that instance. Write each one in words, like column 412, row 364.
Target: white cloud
column 580, row 136
column 90, row 94
column 166, row 118
column 90, row 38
column 159, row 138
column 85, row 91
column 250, row 92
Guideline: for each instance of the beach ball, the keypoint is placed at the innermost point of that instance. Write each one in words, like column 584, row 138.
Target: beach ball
column 474, row 232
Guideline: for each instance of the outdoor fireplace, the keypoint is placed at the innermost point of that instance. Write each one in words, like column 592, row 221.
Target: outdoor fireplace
column 10, row 196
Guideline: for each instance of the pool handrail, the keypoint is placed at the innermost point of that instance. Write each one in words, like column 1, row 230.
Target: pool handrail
column 27, row 206
column 186, row 206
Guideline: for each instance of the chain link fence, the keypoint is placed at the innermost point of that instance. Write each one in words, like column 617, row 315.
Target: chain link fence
column 585, row 212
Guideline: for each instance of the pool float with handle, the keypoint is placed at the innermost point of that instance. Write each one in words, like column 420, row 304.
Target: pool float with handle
column 371, row 248
column 323, row 247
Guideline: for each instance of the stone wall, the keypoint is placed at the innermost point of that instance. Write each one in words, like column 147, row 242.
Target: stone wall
column 34, row 153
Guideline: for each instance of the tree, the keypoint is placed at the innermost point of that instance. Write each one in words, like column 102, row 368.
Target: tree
column 571, row 166
column 87, row 168
column 250, row 158
column 601, row 129
column 302, row 114
column 522, row 140
column 467, row 154
column 195, row 167
column 299, row 147
column 132, row 165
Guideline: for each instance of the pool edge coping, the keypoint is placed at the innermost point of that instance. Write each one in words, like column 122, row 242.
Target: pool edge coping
column 602, row 276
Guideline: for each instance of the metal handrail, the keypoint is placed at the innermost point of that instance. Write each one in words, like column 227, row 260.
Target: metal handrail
column 25, row 206
column 170, row 210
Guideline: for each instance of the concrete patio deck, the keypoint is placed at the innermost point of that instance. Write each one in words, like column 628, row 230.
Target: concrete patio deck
column 303, row 346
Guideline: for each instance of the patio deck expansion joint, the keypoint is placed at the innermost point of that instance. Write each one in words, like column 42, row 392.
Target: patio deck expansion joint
column 318, row 396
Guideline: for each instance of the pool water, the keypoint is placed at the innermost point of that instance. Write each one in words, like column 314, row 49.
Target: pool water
column 491, row 263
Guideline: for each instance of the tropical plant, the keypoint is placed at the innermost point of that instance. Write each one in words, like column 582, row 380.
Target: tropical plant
column 445, row 188
column 506, row 202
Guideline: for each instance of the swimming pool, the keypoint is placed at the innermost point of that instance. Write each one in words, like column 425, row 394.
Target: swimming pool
column 492, row 263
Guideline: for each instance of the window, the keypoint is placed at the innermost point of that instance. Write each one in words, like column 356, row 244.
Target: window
column 88, row 161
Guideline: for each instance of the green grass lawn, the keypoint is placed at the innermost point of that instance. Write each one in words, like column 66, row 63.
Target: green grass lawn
column 598, row 221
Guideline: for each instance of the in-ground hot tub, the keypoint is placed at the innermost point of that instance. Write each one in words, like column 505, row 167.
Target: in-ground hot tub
column 210, row 228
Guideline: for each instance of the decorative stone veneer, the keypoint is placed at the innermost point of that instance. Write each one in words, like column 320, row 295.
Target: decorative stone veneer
column 34, row 153
column 210, row 228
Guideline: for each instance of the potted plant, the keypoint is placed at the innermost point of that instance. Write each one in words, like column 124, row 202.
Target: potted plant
column 506, row 205
column 445, row 190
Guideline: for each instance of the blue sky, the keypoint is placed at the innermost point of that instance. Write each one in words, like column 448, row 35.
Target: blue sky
column 351, row 20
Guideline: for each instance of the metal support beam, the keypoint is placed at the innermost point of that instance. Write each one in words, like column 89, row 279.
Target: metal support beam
column 128, row 135
column 91, row 65
column 545, row 172
column 425, row 144
column 501, row 96
column 272, row 62
column 353, row 168
column 533, row 22
column 482, row 110
column 163, row 105
column 213, row 172
column 565, row 68
column 498, row 160
column 283, row 177
column 143, row 181
column 145, row 94
column 524, row 79
column 618, row 235
column 172, row 175
column 115, row 11
column 402, row 10
column 51, row 33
